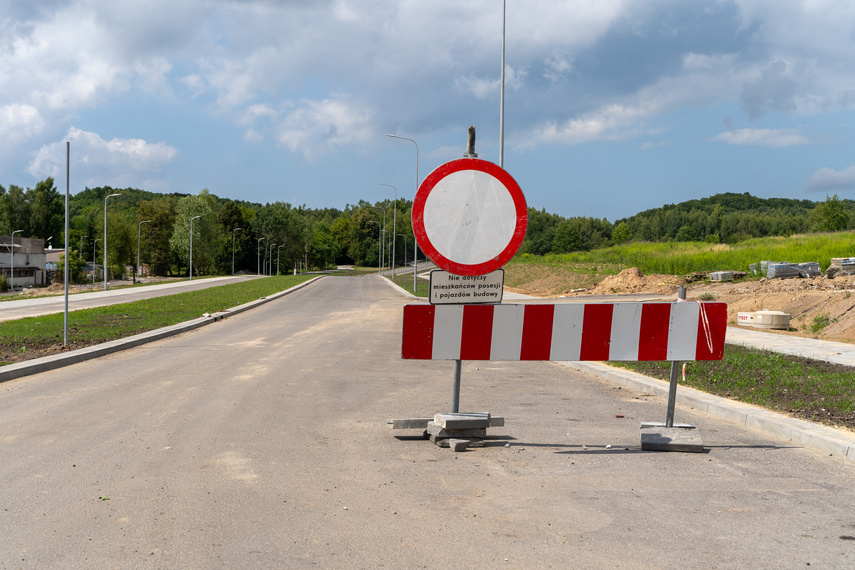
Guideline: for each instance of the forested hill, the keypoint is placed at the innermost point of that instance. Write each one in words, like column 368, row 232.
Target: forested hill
column 726, row 218
column 731, row 217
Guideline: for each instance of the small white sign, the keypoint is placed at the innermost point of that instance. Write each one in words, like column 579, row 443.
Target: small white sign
column 448, row 288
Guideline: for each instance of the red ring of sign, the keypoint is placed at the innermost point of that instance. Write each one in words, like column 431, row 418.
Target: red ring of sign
column 419, row 209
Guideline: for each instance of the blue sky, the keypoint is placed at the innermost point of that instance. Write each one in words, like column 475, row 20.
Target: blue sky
column 611, row 106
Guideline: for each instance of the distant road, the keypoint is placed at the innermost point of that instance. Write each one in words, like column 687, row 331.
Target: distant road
column 35, row 306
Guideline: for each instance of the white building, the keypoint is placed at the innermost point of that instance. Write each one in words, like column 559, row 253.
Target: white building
column 28, row 257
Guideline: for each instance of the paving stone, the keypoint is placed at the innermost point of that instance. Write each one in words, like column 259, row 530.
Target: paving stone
column 434, row 429
column 671, row 439
column 463, row 421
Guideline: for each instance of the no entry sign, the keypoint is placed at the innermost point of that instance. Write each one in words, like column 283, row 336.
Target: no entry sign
column 469, row 216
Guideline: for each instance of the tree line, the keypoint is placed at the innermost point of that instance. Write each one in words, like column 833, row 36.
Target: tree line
column 227, row 234
column 251, row 236
column 723, row 218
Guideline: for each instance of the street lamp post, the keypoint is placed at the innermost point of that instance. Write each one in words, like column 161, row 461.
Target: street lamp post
column 191, row 246
column 258, row 252
column 139, row 229
column 12, row 246
column 382, row 248
column 379, row 246
column 234, row 231
column 105, row 238
column 277, row 259
column 415, row 242
column 394, row 216
column 270, row 259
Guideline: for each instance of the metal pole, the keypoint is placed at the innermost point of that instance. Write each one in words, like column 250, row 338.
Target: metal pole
column 382, row 244
column 502, row 94
column 67, row 243
column 105, row 238
column 258, row 252
column 675, row 376
column 277, row 259
column 394, row 217
column 191, row 246
column 270, row 259
column 12, row 246
column 405, row 248
column 233, row 249
column 139, row 229
column 455, row 396
column 415, row 243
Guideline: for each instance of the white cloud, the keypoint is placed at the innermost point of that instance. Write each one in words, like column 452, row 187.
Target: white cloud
column 776, row 138
column 253, row 136
column 316, row 127
column 18, row 122
column 829, row 180
column 557, row 67
column 482, row 88
column 117, row 162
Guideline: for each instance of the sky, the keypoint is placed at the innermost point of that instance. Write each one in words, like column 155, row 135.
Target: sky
column 611, row 107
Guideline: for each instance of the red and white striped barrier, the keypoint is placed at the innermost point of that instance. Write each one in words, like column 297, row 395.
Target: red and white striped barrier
column 568, row 331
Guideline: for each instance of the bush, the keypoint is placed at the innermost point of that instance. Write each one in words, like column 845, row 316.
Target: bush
column 4, row 286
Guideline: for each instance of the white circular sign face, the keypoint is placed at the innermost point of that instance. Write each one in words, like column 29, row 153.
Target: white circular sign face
column 470, row 217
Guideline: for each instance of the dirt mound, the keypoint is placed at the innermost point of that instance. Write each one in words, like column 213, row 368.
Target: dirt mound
column 633, row 281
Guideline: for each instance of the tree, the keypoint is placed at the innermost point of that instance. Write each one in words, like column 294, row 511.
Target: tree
column 204, row 231
column 76, row 265
column 621, row 234
column 830, row 216
column 155, row 236
column 567, row 238
column 47, row 210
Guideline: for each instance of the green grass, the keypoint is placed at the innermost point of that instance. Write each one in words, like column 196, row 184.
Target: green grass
column 681, row 258
column 405, row 282
column 102, row 324
column 809, row 389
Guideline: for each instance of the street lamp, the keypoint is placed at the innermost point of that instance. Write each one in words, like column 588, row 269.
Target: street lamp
column 191, row 246
column 277, row 259
column 139, row 229
column 105, row 239
column 258, row 251
column 384, row 229
column 379, row 245
column 415, row 243
column 270, row 259
column 394, row 216
column 233, row 249
column 12, row 246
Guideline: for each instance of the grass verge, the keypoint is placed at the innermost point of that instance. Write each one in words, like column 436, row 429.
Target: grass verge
column 405, row 282
column 682, row 258
column 34, row 337
column 808, row 389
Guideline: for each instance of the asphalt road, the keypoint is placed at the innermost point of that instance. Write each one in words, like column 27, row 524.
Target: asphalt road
column 35, row 306
column 260, row 441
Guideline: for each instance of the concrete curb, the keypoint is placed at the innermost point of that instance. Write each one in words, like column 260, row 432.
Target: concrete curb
column 44, row 364
column 815, row 436
column 401, row 291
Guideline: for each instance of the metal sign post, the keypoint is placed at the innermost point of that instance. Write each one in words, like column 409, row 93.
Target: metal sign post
column 675, row 376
